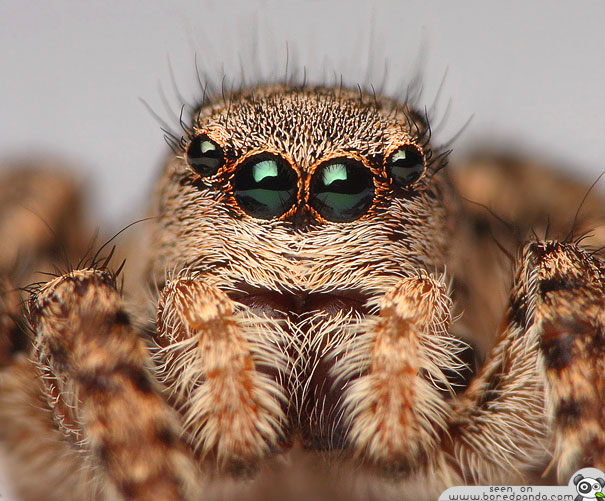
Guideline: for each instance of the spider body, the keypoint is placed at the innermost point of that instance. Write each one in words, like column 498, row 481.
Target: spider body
column 321, row 284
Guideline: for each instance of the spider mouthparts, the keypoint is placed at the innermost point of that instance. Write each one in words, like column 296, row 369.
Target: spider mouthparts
column 278, row 304
column 317, row 422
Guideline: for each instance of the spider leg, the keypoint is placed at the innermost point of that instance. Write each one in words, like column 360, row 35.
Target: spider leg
column 41, row 221
column 41, row 227
column 211, row 359
column 95, row 372
column 546, row 372
column 394, row 409
column 569, row 319
column 12, row 337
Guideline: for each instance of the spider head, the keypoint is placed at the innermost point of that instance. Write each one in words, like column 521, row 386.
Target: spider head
column 305, row 191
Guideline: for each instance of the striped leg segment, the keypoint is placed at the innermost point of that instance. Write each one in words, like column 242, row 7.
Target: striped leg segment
column 544, row 380
column 395, row 409
column 95, row 372
column 211, row 360
column 569, row 318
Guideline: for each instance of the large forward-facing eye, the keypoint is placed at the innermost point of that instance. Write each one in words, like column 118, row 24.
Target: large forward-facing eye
column 265, row 186
column 342, row 190
column 405, row 165
column 204, row 156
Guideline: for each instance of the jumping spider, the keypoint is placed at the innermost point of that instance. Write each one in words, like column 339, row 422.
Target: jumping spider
column 334, row 316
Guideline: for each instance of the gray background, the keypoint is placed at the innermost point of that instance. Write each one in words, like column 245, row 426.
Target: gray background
column 72, row 74
column 531, row 73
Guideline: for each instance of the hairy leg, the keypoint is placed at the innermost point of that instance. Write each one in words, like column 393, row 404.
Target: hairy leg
column 544, row 381
column 95, row 372
column 540, row 393
column 395, row 410
column 40, row 228
column 569, row 318
column 224, row 371
column 497, row 218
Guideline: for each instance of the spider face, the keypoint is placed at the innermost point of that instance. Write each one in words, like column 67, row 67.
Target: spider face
column 304, row 207
column 293, row 175
column 296, row 171
column 309, row 256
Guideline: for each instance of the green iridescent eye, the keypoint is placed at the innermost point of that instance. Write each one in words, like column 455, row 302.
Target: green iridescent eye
column 405, row 165
column 204, row 156
column 265, row 186
column 342, row 190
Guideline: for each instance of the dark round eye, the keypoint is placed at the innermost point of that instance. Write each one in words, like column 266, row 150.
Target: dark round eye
column 405, row 165
column 265, row 186
column 584, row 487
column 204, row 156
column 342, row 190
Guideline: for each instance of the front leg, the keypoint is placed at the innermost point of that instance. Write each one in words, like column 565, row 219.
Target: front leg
column 95, row 370
column 395, row 410
column 569, row 320
column 542, row 384
column 223, row 371
column 544, row 381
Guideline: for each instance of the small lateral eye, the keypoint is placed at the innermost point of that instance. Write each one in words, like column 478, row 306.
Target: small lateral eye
column 405, row 165
column 342, row 190
column 204, row 156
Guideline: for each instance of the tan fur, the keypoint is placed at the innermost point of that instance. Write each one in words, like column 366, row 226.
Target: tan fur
column 394, row 414
column 297, row 358
column 236, row 411
column 94, row 369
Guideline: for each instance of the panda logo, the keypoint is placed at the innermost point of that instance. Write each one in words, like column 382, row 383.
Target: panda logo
column 589, row 488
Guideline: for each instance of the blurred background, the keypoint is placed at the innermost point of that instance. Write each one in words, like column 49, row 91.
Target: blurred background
column 530, row 74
